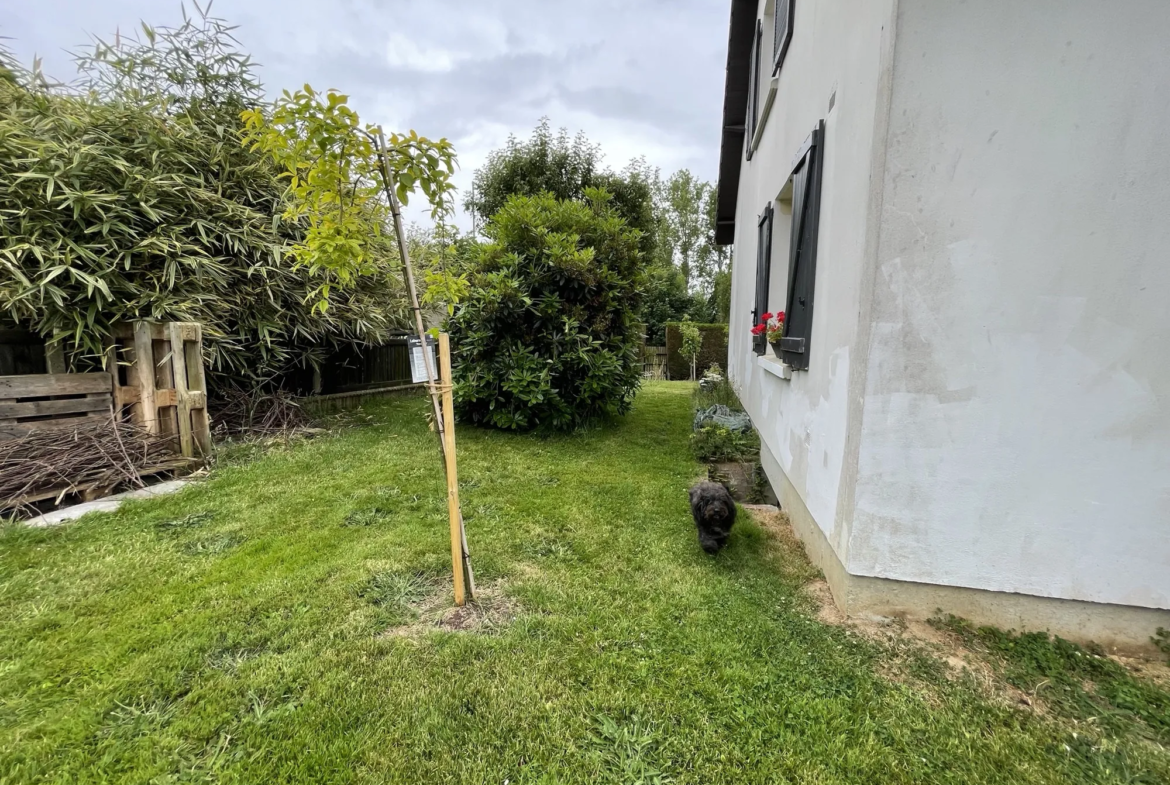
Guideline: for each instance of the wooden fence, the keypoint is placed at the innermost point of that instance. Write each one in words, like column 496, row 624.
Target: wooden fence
column 359, row 369
column 654, row 362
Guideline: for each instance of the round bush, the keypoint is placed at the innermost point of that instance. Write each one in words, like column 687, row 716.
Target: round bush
column 549, row 336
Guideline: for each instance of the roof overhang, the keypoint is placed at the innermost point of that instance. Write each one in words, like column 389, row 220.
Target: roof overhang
column 735, row 98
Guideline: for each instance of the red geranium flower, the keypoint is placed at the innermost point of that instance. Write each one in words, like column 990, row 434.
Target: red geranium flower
column 780, row 316
column 758, row 329
column 765, row 317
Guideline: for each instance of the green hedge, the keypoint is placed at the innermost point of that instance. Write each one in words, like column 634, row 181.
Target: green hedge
column 714, row 350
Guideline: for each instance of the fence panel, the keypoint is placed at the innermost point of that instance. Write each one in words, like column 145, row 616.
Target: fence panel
column 367, row 368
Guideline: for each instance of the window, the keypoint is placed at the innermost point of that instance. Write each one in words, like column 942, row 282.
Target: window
column 753, row 108
column 799, row 205
column 802, row 254
column 781, row 31
column 763, row 268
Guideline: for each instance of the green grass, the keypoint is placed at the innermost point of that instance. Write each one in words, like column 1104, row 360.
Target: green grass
column 235, row 633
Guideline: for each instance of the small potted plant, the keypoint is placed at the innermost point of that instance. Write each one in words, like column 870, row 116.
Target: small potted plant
column 771, row 326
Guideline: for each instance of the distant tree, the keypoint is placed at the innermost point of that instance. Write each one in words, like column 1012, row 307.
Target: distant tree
column 674, row 216
column 666, row 299
column 686, row 229
column 565, row 167
column 721, row 296
column 548, row 335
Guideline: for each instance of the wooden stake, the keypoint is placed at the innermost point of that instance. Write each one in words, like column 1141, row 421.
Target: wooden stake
column 453, row 512
column 460, row 557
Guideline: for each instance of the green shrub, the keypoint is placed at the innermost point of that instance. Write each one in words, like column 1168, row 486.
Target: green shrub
column 549, row 334
column 717, row 444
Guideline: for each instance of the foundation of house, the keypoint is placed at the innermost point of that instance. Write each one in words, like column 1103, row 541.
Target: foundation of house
column 1117, row 628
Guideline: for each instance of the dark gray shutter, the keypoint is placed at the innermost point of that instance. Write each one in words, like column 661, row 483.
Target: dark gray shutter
column 802, row 261
column 753, row 109
column 763, row 270
column 782, row 31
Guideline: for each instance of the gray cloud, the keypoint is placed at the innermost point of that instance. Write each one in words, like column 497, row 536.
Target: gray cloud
column 641, row 77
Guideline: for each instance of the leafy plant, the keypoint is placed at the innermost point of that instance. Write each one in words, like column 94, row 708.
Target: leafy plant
column 549, row 334
column 1161, row 639
column 132, row 197
column 628, row 752
column 337, row 180
column 718, row 443
column 553, row 163
column 692, row 344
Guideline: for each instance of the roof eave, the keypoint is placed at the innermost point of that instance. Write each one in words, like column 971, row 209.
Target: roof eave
column 735, row 95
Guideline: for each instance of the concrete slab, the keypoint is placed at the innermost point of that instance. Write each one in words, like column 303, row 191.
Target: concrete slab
column 108, row 504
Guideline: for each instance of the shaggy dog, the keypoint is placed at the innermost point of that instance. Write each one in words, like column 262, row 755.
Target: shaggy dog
column 714, row 512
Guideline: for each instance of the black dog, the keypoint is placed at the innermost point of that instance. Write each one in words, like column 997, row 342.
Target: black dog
column 714, row 512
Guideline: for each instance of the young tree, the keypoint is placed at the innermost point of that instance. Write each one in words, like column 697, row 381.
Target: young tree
column 692, row 344
column 548, row 335
column 337, row 182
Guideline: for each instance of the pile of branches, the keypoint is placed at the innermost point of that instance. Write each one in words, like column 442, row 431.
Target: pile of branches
column 100, row 456
column 239, row 412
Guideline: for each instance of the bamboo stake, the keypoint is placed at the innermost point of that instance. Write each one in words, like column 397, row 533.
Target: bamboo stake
column 453, row 514
column 460, row 556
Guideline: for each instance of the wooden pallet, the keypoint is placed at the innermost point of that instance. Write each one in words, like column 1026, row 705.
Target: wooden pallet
column 57, row 401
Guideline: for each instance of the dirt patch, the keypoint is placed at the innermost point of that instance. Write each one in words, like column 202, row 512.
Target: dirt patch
column 490, row 611
column 907, row 641
column 1156, row 671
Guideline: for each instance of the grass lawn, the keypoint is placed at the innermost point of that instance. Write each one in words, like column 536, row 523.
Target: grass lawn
column 264, row 627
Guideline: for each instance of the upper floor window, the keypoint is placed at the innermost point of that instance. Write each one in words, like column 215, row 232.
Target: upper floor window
column 753, row 107
column 777, row 25
column 782, row 18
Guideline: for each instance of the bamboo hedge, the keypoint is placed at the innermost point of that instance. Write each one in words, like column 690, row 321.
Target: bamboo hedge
column 135, row 199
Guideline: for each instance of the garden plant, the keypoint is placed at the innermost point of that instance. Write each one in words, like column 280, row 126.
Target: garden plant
column 548, row 335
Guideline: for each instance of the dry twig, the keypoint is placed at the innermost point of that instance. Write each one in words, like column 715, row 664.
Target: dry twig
column 96, row 455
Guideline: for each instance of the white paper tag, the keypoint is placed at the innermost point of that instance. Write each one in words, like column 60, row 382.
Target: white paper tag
column 418, row 368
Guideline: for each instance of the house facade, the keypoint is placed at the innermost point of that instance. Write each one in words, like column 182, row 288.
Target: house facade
column 964, row 210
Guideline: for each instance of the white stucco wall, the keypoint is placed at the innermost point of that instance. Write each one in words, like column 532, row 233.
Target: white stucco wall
column 1016, row 427
column 841, row 48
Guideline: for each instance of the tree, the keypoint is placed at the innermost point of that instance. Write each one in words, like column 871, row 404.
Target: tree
column 566, row 168
column 682, row 229
column 665, row 299
column 336, row 178
column 549, row 335
column 692, row 343
column 686, row 229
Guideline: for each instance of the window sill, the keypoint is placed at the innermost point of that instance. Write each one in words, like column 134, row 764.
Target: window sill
column 774, row 366
column 773, row 84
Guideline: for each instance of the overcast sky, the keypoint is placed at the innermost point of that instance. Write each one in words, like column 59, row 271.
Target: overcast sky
column 641, row 77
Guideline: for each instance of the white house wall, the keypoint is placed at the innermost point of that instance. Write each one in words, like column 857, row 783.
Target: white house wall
column 840, row 52
column 1016, row 430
